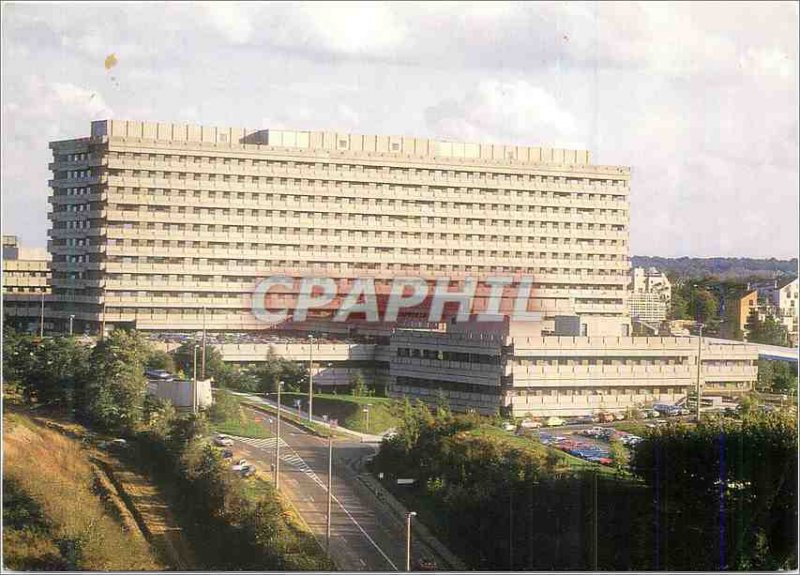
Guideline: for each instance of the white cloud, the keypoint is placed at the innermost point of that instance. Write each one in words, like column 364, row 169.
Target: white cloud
column 515, row 111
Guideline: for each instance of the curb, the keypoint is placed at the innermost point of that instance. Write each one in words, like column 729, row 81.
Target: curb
column 421, row 529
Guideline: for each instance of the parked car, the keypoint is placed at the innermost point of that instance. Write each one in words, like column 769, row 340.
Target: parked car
column 223, row 440
column 248, row 470
column 554, row 421
column 239, row 465
column 508, row 426
column 530, row 424
column 227, row 454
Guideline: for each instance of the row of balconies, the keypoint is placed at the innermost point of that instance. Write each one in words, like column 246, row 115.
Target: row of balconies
column 479, row 219
column 233, row 251
column 91, row 160
column 603, row 371
column 379, row 158
column 356, row 254
column 367, row 176
column 485, row 265
column 248, row 236
column 72, row 182
column 316, row 197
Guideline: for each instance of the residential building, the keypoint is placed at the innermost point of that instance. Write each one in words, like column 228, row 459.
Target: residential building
column 169, row 226
column 781, row 298
column 651, row 293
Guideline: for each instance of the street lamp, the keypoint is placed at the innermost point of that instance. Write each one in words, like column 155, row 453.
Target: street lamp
column 278, row 440
column 203, row 360
column 330, row 492
column 194, row 381
column 409, row 515
column 366, row 415
column 71, row 318
column 699, row 365
column 310, row 377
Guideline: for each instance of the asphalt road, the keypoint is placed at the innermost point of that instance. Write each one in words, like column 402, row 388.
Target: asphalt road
column 366, row 535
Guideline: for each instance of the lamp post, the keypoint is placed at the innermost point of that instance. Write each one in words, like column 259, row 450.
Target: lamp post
column 699, row 365
column 278, row 440
column 366, row 416
column 330, row 492
column 409, row 515
column 203, row 357
column 71, row 318
column 41, row 319
column 194, row 381
column 310, row 377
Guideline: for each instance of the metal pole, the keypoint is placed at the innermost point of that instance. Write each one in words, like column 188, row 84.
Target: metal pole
column 594, row 523
column 194, row 382
column 41, row 319
column 699, row 356
column 278, row 441
column 330, row 493
column 203, row 357
column 71, row 318
column 310, row 377
column 409, row 515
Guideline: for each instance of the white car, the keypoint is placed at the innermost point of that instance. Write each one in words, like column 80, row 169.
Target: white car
column 223, row 441
column 240, row 465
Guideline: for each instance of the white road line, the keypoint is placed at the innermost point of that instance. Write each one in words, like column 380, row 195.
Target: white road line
column 314, row 477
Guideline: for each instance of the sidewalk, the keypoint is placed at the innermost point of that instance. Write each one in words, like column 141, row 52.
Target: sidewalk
column 363, row 437
column 420, row 530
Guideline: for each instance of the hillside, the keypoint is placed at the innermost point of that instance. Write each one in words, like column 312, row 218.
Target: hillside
column 722, row 268
column 60, row 511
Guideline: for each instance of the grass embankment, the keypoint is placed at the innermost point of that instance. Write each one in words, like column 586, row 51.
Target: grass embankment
column 532, row 445
column 53, row 513
column 349, row 410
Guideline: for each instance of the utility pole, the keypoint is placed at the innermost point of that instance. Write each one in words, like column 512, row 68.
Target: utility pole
column 330, row 492
column 594, row 522
column 103, row 325
column 278, row 441
column 310, row 377
column 699, row 357
column 194, row 382
column 409, row 515
column 41, row 319
column 203, row 357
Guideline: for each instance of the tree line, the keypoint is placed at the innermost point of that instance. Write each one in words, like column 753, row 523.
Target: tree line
column 104, row 386
column 721, row 495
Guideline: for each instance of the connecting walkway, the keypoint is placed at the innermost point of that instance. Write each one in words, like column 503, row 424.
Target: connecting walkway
column 773, row 352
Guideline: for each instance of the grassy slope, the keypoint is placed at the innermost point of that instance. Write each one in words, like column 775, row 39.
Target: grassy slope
column 53, row 480
column 348, row 410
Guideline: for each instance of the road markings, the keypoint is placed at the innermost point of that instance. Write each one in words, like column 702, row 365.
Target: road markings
column 291, row 457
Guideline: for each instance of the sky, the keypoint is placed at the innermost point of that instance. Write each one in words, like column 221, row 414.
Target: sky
column 700, row 100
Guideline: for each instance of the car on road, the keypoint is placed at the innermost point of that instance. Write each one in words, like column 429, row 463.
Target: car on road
column 227, row 454
column 223, row 440
column 248, row 470
column 240, row 465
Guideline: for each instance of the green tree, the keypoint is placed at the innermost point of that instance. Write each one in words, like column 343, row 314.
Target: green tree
column 225, row 408
column 116, row 387
column 702, row 306
column 769, row 331
column 160, row 359
column 184, row 361
column 358, row 387
column 619, row 455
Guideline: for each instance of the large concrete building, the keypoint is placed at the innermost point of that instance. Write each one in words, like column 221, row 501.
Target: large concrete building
column 154, row 223
column 168, row 227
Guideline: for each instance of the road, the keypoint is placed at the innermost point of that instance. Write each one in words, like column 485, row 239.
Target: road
column 366, row 535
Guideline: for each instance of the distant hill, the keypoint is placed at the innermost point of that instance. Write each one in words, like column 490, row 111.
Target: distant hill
column 722, row 268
